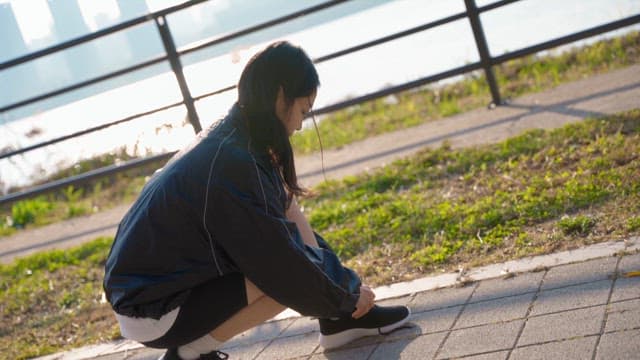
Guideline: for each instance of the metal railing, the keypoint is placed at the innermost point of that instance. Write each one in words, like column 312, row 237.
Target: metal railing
column 172, row 55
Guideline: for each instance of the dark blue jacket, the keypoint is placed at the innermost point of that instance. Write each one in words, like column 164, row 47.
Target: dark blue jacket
column 216, row 208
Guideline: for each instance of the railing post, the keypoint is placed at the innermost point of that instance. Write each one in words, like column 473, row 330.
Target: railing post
column 483, row 49
column 176, row 66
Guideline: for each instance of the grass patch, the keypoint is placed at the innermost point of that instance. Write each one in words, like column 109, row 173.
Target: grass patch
column 535, row 193
column 52, row 301
column 530, row 74
column 633, row 224
column 577, row 225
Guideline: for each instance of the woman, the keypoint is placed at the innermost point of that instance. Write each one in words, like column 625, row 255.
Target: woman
column 216, row 242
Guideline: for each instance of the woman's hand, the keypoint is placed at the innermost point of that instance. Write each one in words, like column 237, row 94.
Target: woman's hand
column 365, row 302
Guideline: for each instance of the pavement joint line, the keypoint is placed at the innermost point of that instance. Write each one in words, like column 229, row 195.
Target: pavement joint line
column 373, row 351
column 263, row 349
column 606, row 314
column 557, row 341
column 526, row 315
column 436, row 309
column 574, row 284
column 623, row 300
column 453, row 324
column 316, row 348
column 621, row 330
column 480, row 353
column 473, row 327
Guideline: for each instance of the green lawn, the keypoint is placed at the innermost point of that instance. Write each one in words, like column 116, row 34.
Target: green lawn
column 53, row 300
column 535, row 193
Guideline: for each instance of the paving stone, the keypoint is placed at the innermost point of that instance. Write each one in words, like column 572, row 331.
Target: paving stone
column 626, row 288
column 360, row 353
column 248, row 352
column 564, row 325
column 572, row 297
column 145, row 356
column 629, row 263
column 622, row 345
column 481, row 339
column 422, row 347
column 578, row 349
column 493, row 311
column 436, row 320
column 442, row 298
column 303, row 325
column 402, row 300
column 137, row 354
column 290, row 347
column 623, row 315
column 267, row 331
column 502, row 287
column 588, row 271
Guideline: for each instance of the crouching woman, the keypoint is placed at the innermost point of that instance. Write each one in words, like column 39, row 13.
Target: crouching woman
column 216, row 243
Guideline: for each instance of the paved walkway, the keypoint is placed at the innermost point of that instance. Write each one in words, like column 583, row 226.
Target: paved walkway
column 580, row 310
column 595, row 96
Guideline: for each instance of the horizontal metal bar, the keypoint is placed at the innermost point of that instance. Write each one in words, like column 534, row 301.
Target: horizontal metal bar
column 261, row 26
column 398, row 88
column 86, row 131
column 83, row 178
column 614, row 25
column 496, row 4
column 83, row 84
column 100, row 33
column 215, row 92
column 391, row 37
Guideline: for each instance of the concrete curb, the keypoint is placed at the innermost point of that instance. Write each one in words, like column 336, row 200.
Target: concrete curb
column 534, row 263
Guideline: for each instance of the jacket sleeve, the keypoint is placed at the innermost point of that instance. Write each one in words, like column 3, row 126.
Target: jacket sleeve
column 269, row 251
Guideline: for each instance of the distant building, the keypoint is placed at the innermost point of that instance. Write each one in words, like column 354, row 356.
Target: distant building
column 68, row 23
column 10, row 36
column 12, row 46
column 144, row 40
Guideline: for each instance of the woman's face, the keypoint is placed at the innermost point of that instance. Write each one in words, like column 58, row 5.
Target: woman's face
column 293, row 114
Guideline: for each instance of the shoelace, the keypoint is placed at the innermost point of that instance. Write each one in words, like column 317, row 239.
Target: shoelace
column 214, row 355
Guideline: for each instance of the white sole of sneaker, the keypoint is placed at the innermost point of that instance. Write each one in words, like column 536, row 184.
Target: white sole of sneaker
column 347, row 336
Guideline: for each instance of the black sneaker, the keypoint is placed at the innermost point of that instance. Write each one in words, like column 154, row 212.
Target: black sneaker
column 172, row 354
column 214, row 355
column 379, row 320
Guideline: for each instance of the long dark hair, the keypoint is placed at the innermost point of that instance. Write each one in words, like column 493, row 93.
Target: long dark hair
column 280, row 66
